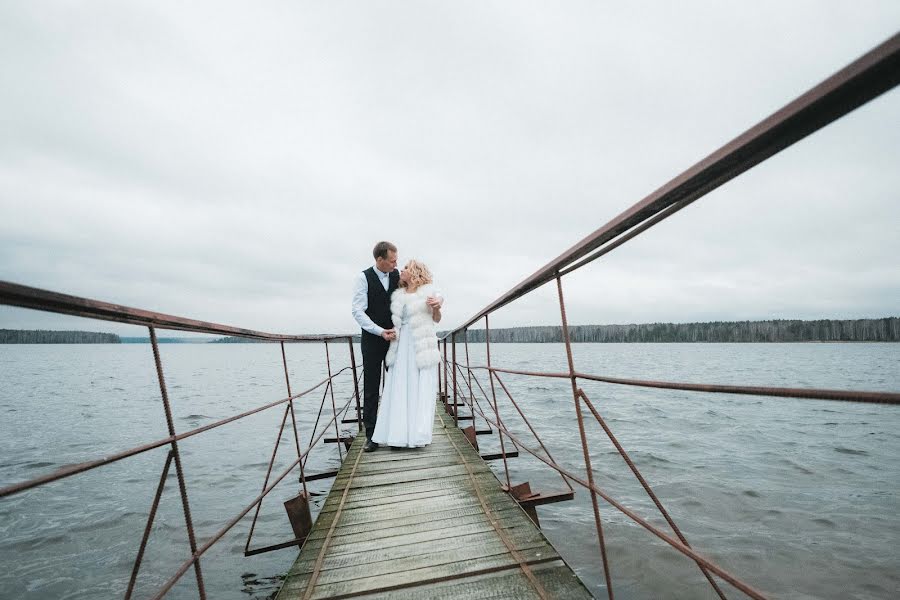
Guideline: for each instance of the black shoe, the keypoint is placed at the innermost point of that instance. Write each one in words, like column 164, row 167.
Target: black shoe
column 370, row 446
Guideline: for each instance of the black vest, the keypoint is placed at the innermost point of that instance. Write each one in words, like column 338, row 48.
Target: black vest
column 379, row 301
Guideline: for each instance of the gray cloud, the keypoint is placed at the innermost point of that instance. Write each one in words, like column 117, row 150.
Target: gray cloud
column 237, row 165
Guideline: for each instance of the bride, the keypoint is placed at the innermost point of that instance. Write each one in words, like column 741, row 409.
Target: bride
column 406, row 412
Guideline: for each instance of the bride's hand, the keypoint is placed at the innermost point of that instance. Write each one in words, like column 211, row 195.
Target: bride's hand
column 434, row 301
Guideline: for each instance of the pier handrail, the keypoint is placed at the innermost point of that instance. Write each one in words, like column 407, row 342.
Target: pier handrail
column 866, row 78
column 23, row 296
column 873, row 74
column 13, row 294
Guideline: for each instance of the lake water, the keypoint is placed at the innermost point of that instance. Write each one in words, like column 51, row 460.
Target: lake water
column 798, row 498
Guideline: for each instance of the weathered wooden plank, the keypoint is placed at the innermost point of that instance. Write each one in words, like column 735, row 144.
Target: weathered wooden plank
column 445, row 538
column 420, row 536
column 504, row 518
column 401, row 476
column 386, row 491
column 437, row 496
column 343, row 581
column 439, row 551
column 556, row 577
column 362, row 524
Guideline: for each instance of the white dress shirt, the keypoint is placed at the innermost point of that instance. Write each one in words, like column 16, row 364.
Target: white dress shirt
column 361, row 300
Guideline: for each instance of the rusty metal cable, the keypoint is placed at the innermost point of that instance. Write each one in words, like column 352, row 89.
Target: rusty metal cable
column 495, row 523
column 317, row 568
column 675, row 543
column 715, row 388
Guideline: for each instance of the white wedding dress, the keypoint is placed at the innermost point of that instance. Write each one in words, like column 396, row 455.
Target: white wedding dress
column 406, row 411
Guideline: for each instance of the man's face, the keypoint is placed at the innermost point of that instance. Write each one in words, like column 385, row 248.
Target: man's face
column 386, row 265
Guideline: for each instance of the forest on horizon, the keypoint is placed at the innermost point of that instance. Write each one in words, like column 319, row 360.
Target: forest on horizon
column 886, row 329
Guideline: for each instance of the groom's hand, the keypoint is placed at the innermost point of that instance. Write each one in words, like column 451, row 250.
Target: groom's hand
column 389, row 334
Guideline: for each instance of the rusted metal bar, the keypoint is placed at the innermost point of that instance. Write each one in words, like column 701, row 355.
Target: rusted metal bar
column 632, row 233
column 322, row 475
column 783, row 392
column 809, row 393
column 355, row 384
column 474, row 399
column 70, row 470
column 195, row 556
column 584, row 444
column 179, row 472
column 279, row 546
column 499, row 455
column 346, row 439
column 268, row 473
column 528, row 423
column 14, row 294
column 149, row 527
column 218, row 535
column 317, row 567
column 318, row 416
column 333, row 406
column 863, row 80
column 487, row 342
column 674, row 542
column 469, row 375
column 646, row 486
column 445, row 392
column 495, row 523
column 287, row 381
column 540, row 499
column 455, row 401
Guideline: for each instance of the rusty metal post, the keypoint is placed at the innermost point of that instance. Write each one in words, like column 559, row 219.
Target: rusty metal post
column 312, row 434
column 182, row 487
column 445, row 396
column 287, row 381
column 533, row 432
column 268, row 474
column 455, row 401
column 584, row 444
column 440, row 376
column 359, row 422
column 487, row 343
column 337, row 433
column 471, row 402
column 153, row 507
column 647, row 487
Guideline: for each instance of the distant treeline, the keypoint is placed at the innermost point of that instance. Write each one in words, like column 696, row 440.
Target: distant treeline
column 24, row 336
column 163, row 340
column 243, row 340
column 234, row 340
column 858, row 330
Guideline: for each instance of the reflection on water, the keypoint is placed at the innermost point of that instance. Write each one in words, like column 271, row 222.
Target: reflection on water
column 797, row 497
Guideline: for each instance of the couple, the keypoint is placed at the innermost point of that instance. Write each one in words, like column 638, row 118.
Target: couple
column 397, row 312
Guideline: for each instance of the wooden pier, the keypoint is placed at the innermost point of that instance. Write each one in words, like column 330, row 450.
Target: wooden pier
column 428, row 522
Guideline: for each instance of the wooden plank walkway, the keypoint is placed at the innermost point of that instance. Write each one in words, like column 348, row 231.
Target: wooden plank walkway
column 425, row 523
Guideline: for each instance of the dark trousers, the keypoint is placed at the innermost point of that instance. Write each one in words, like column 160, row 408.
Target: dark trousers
column 374, row 348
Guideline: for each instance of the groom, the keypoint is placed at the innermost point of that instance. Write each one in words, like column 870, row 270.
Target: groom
column 372, row 310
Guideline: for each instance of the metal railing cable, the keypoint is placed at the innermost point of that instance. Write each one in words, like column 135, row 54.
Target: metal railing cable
column 12, row 294
column 873, row 74
column 682, row 547
column 863, row 80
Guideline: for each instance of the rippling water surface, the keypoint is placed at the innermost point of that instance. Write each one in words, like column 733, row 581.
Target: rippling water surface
column 799, row 498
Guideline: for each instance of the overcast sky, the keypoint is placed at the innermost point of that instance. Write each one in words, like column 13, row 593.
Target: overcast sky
column 236, row 162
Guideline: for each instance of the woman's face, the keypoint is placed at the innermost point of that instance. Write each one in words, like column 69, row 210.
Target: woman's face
column 404, row 275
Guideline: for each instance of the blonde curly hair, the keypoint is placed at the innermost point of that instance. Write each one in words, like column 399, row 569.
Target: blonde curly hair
column 419, row 274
